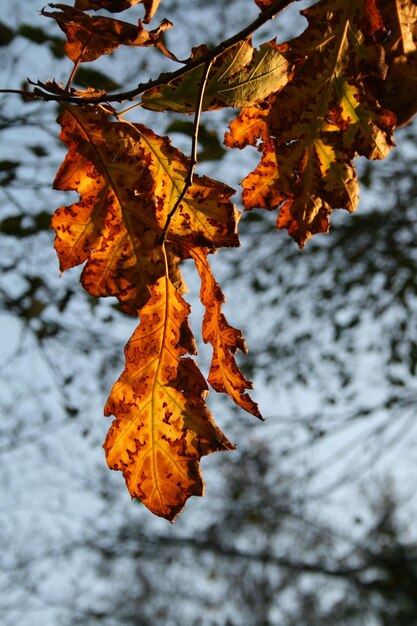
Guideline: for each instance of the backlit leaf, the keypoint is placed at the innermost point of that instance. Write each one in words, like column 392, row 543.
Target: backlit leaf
column 89, row 37
column 205, row 217
column 239, row 77
column 113, row 227
column 116, row 6
column 129, row 179
column 162, row 426
column 321, row 119
column 309, row 107
column 398, row 92
column 225, row 375
column 260, row 187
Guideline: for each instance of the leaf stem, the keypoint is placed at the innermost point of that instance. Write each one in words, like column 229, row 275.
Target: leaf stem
column 194, row 150
column 74, row 70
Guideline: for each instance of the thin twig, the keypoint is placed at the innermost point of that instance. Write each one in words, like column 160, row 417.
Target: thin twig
column 74, row 70
column 166, row 78
column 194, row 151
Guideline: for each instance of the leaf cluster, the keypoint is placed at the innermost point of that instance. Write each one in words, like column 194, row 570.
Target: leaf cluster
column 309, row 106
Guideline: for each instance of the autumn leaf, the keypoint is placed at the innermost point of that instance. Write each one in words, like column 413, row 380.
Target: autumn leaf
column 128, row 179
column 320, row 120
column 113, row 227
column 239, row 77
column 260, row 187
column 397, row 90
column 116, row 6
column 162, row 426
column 90, row 37
column 225, row 375
column 205, row 217
column 309, row 107
column 400, row 17
column 264, row 4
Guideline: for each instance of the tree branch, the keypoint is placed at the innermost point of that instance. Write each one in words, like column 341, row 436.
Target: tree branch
column 42, row 94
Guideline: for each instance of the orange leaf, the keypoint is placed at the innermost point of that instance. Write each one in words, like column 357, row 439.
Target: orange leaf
column 162, row 426
column 264, row 4
column 319, row 121
column 116, row 6
column 113, row 227
column 224, row 375
column 248, row 128
column 129, row 179
column 89, row 37
column 205, row 217
column 260, row 187
column 398, row 90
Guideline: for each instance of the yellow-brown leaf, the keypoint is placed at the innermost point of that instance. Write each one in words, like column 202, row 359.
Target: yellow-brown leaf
column 398, row 90
column 248, row 128
column 205, row 217
column 116, row 6
column 90, row 37
column 225, row 375
column 320, row 120
column 162, row 426
column 113, row 226
column 129, row 179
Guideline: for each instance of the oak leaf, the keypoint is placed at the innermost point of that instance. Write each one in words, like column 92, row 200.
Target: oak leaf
column 320, row 120
column 225, row 375
column 264, row 4
column 90, row 37
column 128, row 179
column 240, row 76
column 260, row 187
column 205, row 217
column 398, row 90
column 113, row 226
column 116, row 6
column 163, row 426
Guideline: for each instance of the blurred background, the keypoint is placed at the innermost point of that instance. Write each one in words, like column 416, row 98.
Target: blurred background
column 312, row 521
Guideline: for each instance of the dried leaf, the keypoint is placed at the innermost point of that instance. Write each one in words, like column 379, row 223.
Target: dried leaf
column 398, row 90
column 264, row 4
column 249, row 128
column 400, row 18
column 260, row 187
column 90, row 37
column 113, row 227
column 116, row 6
column 162, row 426
column 129, row 179
column 224, row 376
column 321, row 119
column 239, row 77
column 205, row 217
